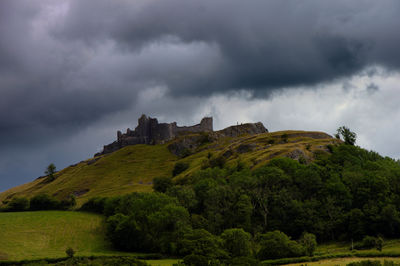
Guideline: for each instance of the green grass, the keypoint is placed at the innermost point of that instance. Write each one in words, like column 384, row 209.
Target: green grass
column 47, row 234
column 165, row 262
column 134, row 167
column 338, row 253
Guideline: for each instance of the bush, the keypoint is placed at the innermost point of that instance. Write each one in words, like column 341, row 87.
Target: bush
column 43, row 202
column 18, row 204
column 236, row 242
column 179, row 168
column 161, row 184
column 276, row 245
column 309, row 243
column 244, row 261
column 70, row 252
column 201, row 242
column 95, row 204
column 68, row 203
column 368, row 242
column 195, row 260
column 365, row 263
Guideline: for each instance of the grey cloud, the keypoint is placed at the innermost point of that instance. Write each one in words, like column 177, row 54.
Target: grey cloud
column 67, row 65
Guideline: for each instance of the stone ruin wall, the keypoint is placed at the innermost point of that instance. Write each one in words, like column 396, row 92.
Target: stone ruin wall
column 149, row 131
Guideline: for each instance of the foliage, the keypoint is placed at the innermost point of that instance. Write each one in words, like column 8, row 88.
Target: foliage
column 179, row 168
column 95, row 204
column 237, row 242
column 343, row 194
column 309, row 242
column 275, row 245
column 146, row 222
column 161, row 184
column 70, row 252
column 201, row 242
column 369, row 242
column 348, row 136
column 195, row 260
column 50, row 171
column 18, row 204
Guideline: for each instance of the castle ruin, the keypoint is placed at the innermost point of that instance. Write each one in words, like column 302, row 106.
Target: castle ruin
column 149, row 131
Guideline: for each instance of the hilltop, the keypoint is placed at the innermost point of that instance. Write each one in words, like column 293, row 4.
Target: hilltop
column 133, row 167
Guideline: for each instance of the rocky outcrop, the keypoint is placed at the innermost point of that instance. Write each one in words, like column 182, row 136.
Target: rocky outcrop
column 242, row 129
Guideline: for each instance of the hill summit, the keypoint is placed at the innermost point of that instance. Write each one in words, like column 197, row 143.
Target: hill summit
column 149, row 131
column 154, row 150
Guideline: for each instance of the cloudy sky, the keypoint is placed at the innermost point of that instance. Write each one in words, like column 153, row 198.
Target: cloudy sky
column 73, row 72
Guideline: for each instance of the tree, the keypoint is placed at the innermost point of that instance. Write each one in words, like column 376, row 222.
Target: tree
column 309, row 242
column 276, row 245
column 161, row 184
column 237, row 242
column 349, row 136
column 70, row 252
column 50, row 171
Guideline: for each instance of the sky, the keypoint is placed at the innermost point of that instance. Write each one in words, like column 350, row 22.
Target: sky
column 73, row 72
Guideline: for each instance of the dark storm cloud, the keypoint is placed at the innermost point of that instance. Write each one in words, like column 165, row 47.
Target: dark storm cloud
column 263, row 44
column 66, row 65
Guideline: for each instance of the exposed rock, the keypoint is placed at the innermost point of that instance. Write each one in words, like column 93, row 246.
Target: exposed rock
column 243, row 148
column 80, row 192
column 238, row 130
column 297, row 154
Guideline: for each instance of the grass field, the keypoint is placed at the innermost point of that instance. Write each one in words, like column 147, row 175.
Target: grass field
column 33, row 235
column 343, row 261
column 341, row 255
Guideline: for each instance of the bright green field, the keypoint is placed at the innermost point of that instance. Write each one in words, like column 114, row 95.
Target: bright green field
column 32, row 235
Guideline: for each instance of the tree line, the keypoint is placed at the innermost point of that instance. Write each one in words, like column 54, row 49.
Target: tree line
column 241, row 214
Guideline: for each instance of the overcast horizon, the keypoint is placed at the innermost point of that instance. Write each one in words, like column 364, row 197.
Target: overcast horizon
column 73, row 72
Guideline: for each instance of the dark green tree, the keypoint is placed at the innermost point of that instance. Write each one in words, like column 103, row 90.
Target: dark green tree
column 161, row 184
column 309, row 242
column 50, row 171
column 349, row 137
column 237, row 242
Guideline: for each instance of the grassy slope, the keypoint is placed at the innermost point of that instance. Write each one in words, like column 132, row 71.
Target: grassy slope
column 31, row 235
column 134, row 167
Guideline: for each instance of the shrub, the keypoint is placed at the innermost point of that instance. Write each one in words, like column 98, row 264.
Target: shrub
column 161, row 184
column 18, row 204
column 43, row 202
column 179, row 168
column 244, row 261
column 236, row 242
column 195, row 260
column 368, row 242
column 201, row 242
column 70, row 252
column 309, row 243
column 365, row 263
column 68, row 203
column 276, row 244
column 95, row 204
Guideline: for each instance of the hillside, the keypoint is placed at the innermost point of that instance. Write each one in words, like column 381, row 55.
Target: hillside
column 133, row 168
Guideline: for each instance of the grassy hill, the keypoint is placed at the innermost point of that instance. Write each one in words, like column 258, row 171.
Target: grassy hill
column 134, row 167
column 31, row 235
